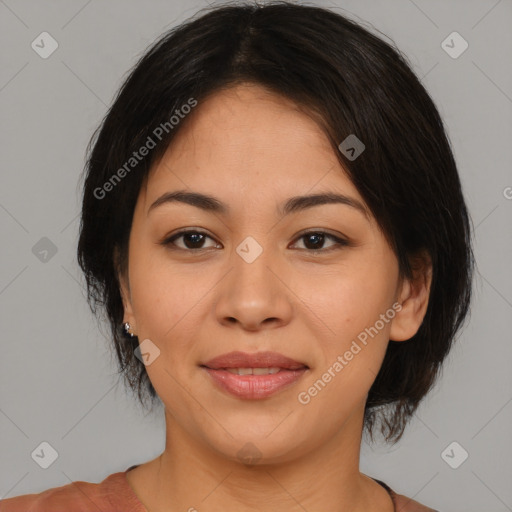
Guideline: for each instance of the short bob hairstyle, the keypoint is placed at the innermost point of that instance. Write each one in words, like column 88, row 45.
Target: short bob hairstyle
column 351, row 82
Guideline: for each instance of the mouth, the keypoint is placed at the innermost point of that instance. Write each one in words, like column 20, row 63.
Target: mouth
column 256, row 371
column 254, row 376
column 259, row 361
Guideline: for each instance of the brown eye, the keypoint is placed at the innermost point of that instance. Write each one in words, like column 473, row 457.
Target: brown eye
column 314, row 241
column 192, row 240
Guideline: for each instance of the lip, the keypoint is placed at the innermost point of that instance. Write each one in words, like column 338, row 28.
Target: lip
column 254, row 387
column 256, row 360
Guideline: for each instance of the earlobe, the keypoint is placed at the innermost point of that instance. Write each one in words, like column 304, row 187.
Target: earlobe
column 413, row 297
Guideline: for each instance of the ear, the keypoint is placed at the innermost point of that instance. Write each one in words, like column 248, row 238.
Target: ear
column 413, row 295
column 124, row 289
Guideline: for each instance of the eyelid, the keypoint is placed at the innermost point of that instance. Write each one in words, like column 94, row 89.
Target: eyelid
column 339, row 240
column 168, row 240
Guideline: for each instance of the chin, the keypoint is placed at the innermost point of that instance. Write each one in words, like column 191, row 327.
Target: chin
column 254, row 446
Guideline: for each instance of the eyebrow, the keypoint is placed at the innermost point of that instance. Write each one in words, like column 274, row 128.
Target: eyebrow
column 292, row 205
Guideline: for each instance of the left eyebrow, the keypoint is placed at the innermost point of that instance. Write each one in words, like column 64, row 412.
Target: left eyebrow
column 298, row 203
column 291, row 205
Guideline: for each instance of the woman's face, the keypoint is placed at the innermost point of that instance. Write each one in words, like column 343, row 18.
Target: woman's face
column 256, row 281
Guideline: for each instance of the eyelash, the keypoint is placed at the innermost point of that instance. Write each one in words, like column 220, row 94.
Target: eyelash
column 339, row 242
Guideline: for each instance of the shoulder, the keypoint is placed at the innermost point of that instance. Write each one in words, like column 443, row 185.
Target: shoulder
column 403, row 503
column 112, row 494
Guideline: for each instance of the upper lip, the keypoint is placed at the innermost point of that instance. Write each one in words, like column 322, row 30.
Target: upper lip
column 257, row 360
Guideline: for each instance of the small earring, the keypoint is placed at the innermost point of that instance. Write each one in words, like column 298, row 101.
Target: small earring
column 127, row 328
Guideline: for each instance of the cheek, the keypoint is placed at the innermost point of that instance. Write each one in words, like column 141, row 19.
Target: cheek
column 161, row 296
column 349, row 299
column 350, row 303
column 163, row 309
column 354, row 346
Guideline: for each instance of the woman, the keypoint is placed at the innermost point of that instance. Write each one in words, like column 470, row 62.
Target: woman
column 274, row 223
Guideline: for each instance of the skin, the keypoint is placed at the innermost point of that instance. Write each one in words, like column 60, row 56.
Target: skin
column 253, row 150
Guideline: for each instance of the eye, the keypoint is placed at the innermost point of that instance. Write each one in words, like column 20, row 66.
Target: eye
column 314, row 240
column 193, row 240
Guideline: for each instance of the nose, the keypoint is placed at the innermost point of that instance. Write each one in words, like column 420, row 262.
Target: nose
column 254, row 295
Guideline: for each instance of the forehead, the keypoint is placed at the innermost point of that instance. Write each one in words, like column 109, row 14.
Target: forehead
column 249, row 141
column 247, row 120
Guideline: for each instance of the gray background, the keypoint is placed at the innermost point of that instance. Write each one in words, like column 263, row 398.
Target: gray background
column 57, row 378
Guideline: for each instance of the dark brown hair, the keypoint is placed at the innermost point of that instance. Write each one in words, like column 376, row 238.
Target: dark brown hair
column 354, row 83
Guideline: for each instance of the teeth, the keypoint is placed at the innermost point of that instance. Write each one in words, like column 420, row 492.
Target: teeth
column 265, row 371
column 253, row 371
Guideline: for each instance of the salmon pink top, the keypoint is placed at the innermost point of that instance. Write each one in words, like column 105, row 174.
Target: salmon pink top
column 114, row 494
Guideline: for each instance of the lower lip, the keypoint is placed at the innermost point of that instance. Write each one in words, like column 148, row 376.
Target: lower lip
column 254, row 387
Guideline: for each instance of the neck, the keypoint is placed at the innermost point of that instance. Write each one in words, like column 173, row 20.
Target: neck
column 192, row 475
